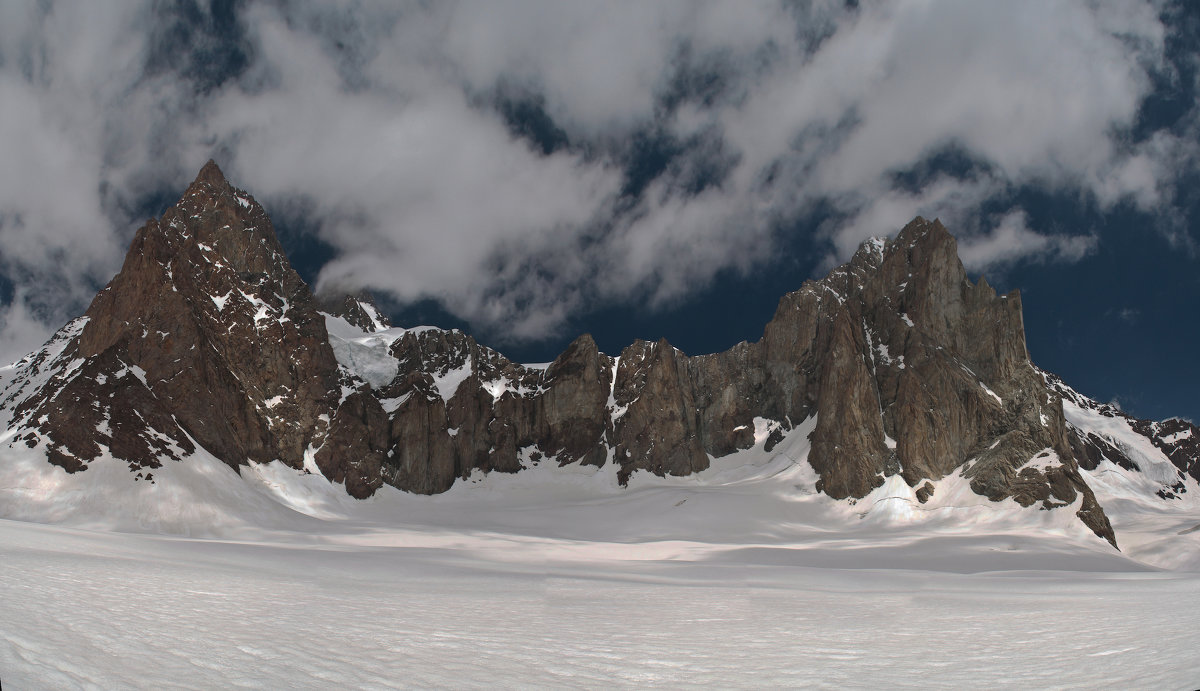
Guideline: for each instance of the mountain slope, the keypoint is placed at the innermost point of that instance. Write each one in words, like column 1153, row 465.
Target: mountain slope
column 899, row 371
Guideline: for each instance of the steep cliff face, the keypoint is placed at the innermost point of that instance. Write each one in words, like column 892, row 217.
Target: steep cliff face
column 208, row 337
column 219, row 331
column 910, row 370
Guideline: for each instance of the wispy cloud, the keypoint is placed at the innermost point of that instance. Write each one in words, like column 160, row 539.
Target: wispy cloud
column 1011, row 240
column 522, row 161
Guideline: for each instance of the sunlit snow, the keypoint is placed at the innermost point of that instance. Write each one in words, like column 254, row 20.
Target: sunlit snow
column 740, row 576
column 996, row 396
column 220, row 301
column 366, row 354
column 447, row 382
column 743, row 575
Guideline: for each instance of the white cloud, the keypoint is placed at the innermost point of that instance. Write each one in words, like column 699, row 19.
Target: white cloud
column 380, row 119
column 1037, row 92
column 418, row 190
column 60, row 83
column 1012, row 240
column 20, row 331
column 1129, row 315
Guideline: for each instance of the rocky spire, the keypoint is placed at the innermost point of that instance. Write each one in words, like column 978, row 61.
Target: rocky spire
column 211, row 176
column 225, row 331
column 900, row 364
column 913, row 370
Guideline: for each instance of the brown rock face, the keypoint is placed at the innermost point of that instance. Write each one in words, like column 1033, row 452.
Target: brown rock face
column 1177, row 438
column 657, row 423
column 848, row 448
column 722, row 385
column 571, row 413
column 355, row 450
column 421, row 458
column 89, row 405
column 225, row 330
column 917, row 371
column 208, row 337
column 458, row 406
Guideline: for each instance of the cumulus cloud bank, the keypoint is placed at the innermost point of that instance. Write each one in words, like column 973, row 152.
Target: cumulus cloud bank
column 521, row 161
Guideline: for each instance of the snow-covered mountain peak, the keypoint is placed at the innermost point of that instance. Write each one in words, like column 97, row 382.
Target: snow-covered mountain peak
column 1166, row 453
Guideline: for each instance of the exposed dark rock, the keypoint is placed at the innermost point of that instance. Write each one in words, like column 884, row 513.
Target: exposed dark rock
column 207, row 302
column 358, row 309
column 1178, row 439
column 657, row 427
column 848, row 449
column 725, row 388
column 1090, row 448
column 421, row 456
column 924, row 492
column 355, row 449
column 208, row 334
column 571, row 413
column 94, row 405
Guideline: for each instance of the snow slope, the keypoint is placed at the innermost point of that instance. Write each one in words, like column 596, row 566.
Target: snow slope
column 751, row 500
column 1151, row 529
column 739, row 576
column 99, row 610
column 364, row 353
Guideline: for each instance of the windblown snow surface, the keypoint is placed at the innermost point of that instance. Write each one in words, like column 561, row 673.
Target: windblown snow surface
column 740, row 576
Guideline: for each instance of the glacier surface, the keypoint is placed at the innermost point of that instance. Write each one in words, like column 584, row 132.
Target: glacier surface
column 741, row 576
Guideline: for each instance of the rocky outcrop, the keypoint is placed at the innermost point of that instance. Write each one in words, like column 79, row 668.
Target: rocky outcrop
column 1177, row 439
column 355, row 450
column 461, row 407
column 656, row 423
column 207, row 337
column 226, row 332
column 358, row 309
column 909, row 368
column 96, row 403
column 570, row 417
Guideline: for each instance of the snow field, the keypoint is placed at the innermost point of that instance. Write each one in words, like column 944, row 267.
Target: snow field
column 557, row 577
column 112, row 611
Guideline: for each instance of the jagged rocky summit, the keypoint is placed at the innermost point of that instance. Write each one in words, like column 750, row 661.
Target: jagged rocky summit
column 899, row 364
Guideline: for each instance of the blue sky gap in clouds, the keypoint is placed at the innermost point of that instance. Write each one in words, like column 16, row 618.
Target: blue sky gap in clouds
column 532, row 170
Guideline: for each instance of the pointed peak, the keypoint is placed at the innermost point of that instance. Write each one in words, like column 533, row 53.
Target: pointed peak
column 356, row 307
column 871, row 250
column 572, row 360
column 211, row 174
column 584, row 342
column 985, row 289
column 925, row 232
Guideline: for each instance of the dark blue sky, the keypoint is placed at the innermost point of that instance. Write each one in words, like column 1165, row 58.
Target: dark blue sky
column 1122, row 324
column 529, row 172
